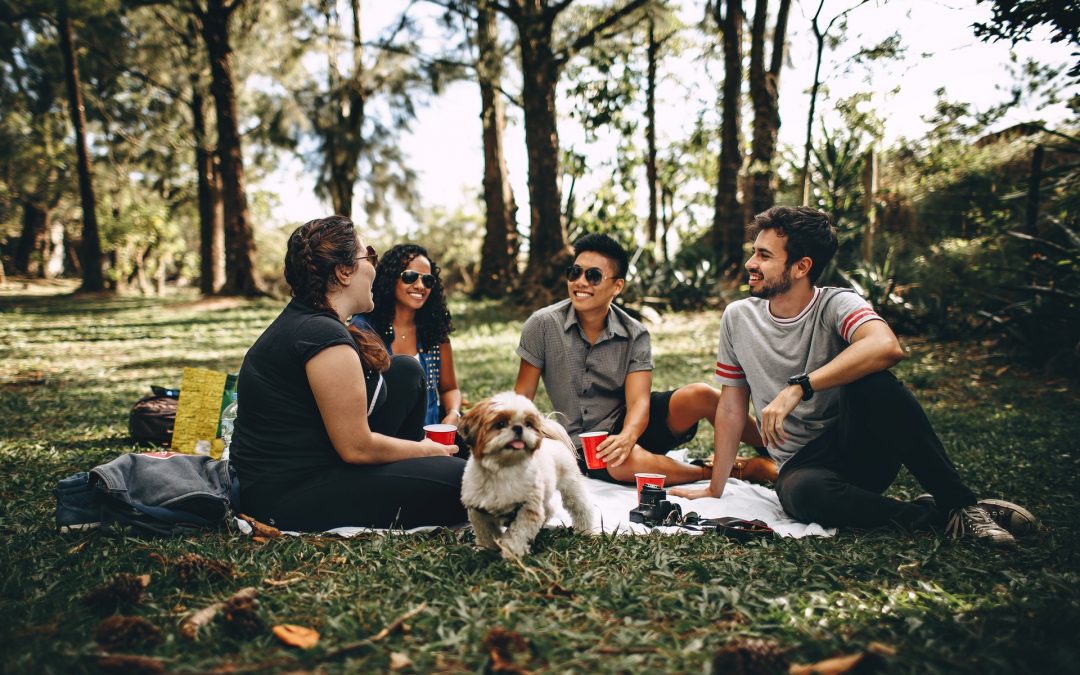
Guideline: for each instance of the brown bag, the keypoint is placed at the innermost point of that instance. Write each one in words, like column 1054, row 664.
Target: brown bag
column 152, row 419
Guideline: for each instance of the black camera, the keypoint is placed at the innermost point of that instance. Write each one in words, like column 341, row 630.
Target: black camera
column 653, row 509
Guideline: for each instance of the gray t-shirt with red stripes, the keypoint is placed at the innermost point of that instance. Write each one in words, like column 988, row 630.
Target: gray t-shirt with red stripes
column 762, row 351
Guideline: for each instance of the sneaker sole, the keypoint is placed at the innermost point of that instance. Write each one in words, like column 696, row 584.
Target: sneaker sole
column 79, row 527
column 1019, row 521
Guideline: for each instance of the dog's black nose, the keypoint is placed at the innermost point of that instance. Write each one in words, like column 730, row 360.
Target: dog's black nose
column 518, row 429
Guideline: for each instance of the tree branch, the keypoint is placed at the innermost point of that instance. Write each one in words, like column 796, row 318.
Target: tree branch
column 590, row 36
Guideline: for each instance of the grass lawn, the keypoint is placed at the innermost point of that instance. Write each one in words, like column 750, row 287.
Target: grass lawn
column 70, row 368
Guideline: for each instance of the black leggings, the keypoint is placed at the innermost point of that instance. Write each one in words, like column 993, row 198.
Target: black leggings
column 407, row 493
column 837, row 479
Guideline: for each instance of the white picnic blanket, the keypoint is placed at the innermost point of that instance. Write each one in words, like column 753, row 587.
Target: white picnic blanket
column 612, row 504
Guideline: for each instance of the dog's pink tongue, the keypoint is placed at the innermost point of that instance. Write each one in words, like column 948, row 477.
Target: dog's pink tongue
column 517, row 445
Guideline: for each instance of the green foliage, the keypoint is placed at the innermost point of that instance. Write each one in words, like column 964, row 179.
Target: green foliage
column 604, row 604
column 145, row 242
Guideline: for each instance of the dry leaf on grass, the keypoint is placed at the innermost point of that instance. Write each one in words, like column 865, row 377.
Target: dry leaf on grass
column 121, row 590
column 296, row 636
column 260, row 529
column 277, row 583
column 191, row 625
column 501, row 646
column 129, row 664
column 193, row 566
column 852, row 664
column 399, row 661
column 127, row 632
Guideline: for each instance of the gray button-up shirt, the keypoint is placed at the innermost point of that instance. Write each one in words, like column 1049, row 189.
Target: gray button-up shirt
column 585, row 382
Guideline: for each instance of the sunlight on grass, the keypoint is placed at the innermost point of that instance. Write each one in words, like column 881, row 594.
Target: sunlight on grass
column 71, row 368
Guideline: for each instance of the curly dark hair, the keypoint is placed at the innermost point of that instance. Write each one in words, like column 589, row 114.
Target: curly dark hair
column 807, row 231
column 433, row 323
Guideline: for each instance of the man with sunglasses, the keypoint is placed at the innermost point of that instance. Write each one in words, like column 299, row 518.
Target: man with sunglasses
column 596, row 363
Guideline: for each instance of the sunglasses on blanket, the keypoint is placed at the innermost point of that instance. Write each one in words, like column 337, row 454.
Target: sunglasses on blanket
column 410, row 277
column 594, row 275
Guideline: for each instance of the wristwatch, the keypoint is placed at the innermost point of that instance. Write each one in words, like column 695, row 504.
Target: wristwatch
column 803, row 381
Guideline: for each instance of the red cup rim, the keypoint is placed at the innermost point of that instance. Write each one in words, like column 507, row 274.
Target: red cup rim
column 440, row 428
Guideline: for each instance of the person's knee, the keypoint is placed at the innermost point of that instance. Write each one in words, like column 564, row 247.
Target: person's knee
column 874, row 385
column 809, row 496
column 405, row 371
column 696, row 401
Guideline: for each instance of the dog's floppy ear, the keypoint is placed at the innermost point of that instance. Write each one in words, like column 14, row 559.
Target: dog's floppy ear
column 470, row 422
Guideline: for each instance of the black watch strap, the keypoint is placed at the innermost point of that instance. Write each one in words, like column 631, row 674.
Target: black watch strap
column 803, row 381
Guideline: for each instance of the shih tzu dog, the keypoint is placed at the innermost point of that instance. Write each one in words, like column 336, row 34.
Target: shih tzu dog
column 519, row 458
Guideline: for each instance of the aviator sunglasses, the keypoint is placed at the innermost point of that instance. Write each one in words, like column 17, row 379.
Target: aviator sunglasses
column 594, row 275
column 372, row 255
column 410, row 277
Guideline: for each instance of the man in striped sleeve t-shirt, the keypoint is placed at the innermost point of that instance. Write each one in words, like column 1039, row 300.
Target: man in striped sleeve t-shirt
column 815, row 361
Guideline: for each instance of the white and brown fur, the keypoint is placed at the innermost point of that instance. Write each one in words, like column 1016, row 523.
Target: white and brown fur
column 519, row 458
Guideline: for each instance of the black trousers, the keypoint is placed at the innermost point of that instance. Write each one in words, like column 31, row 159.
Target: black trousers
column 837, row 479
column 406, row 494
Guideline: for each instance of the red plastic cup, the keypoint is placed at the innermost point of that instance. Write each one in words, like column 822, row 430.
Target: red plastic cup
column 656, row 479
column 441, row 433
column 590, row 440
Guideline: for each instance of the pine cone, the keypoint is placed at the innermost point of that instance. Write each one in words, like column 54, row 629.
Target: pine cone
column 750, row 656
column 241, row 617
column 123, row 590
column 192, row 566
column 120, row 633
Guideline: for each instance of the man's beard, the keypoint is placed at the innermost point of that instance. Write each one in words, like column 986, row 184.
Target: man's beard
column 767, row 291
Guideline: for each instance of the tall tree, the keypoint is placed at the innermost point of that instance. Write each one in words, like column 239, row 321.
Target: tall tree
column 34, row 153
column 820, row 36
column 728, row 225
column 542, row 62
column 765, row 97
column 213, row 18
column 498, row 260
column 90, row 249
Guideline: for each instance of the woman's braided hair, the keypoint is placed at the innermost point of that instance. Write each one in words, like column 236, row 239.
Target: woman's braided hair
column 314, row 252
column 433, row 323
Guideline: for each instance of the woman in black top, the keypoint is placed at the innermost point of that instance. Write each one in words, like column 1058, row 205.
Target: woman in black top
column 329, row 427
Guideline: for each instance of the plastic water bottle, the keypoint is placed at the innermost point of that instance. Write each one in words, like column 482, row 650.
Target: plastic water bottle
column 228, row 422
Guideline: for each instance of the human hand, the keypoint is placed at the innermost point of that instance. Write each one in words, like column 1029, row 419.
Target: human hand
column 773, row 415
column 452, row 418
column 615, row 449
column 429, row 448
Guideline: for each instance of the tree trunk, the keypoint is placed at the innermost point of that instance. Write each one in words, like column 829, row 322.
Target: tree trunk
column 211, row 213
column 870, row 188
column 31, row 240
column 498, row 262
column 765, row 96
column 548, row 250
column 90, row 251
column 650, row 130
column 1031, row 220
column 241, row 274
column 342, row 137
column 728, row 226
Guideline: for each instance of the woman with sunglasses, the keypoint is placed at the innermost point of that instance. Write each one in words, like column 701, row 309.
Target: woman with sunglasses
column 329, row 431
column 411, row 317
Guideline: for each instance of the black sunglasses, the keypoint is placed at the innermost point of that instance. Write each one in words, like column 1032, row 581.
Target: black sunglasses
column 372, row 255
column 594, row 275
column 410, row 277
